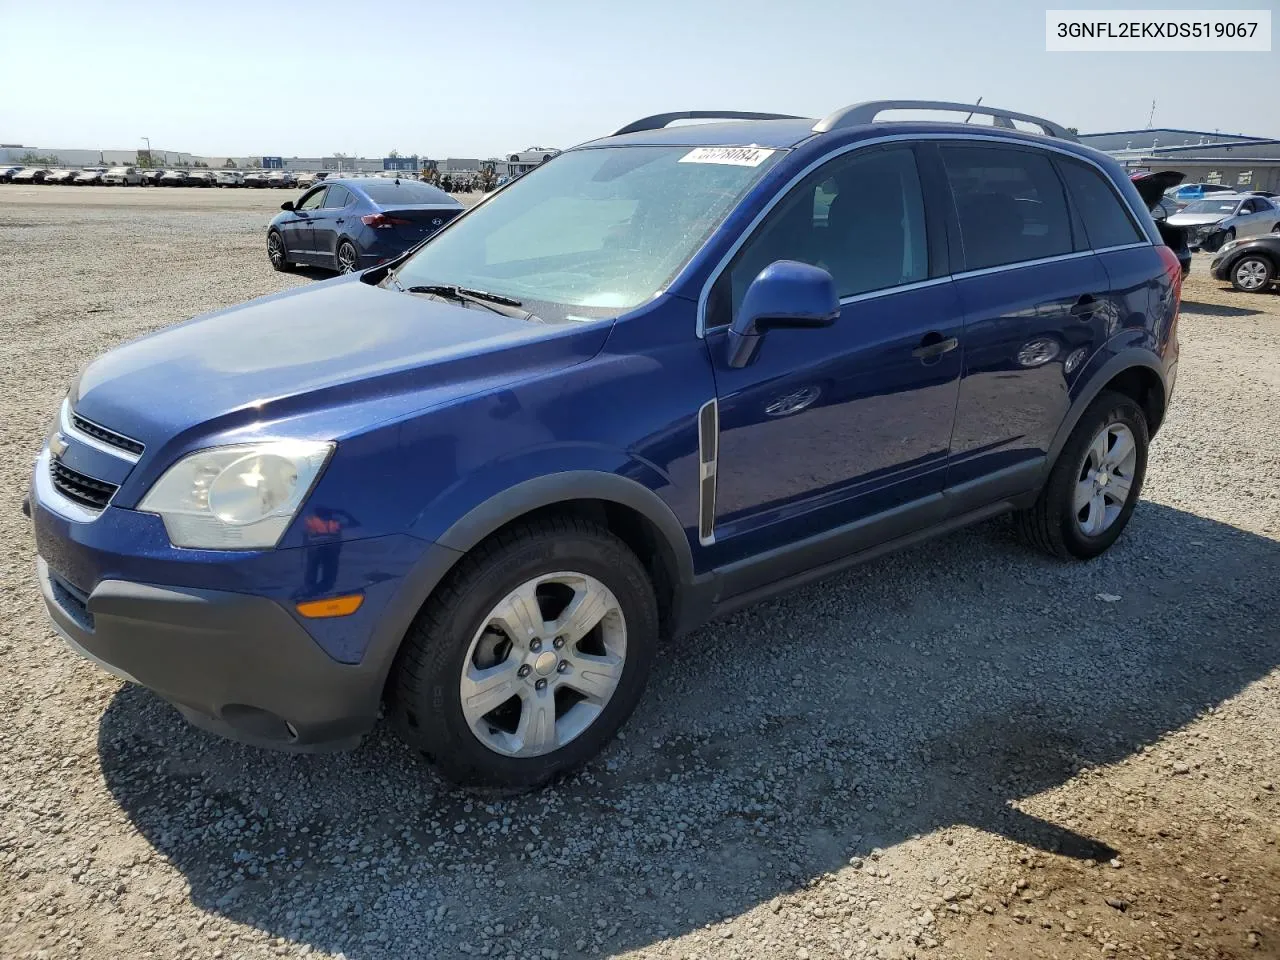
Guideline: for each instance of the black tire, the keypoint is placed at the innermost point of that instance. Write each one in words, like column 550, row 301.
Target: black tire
column 425, row 698
column 1252, row 273
column 354, row 254
column 1051, row 524
column 276, row 242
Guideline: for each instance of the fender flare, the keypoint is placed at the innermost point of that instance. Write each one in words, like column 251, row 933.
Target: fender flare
column 1126, row 359
column 551, row 489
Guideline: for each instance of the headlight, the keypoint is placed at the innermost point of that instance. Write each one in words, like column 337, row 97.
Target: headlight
column 1229, row 245
column 236, row 498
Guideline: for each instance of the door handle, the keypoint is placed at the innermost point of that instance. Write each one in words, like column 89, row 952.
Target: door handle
column 934, row 345
column 341, row 220
column 1084, row 307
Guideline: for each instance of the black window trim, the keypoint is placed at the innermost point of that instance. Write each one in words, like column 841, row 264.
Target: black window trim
column 322, row 188
column 713, row 275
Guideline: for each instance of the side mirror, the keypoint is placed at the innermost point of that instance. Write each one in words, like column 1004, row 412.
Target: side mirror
column 786, row 293
column 287, row 205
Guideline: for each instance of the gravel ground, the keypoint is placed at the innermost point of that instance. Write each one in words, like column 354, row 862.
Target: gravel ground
column 965, row 750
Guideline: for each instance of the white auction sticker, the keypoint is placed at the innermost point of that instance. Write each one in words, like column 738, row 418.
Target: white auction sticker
column 736, row 156
column 1164, row 31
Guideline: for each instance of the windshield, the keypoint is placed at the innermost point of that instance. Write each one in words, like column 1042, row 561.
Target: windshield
column 592, row 232
column 1211, row 206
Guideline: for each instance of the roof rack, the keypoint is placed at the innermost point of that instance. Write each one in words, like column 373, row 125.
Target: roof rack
column 660, row 120
column 859, row 113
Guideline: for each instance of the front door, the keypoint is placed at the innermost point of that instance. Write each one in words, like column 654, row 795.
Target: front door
column 328, row 223
column 299, row 235
column 831, row 426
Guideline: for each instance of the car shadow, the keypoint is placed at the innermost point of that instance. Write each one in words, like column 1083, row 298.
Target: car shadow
column 933, row 688
column 313, row 273
column 1220, row 310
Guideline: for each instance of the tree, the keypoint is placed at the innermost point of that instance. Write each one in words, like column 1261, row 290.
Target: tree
column 1073, row 131
column 230, row 164
column 33, row 159
column 394, row 154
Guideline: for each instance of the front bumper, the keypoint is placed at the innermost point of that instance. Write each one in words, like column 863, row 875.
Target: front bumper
column 216, row 633
column 233, row 663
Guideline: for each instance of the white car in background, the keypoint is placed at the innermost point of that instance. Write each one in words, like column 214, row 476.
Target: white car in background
column 123, row 177
column 1223, row 217
column 228, row 178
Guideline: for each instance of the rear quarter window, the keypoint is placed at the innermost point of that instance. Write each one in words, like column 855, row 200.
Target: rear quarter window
column 1106, row 221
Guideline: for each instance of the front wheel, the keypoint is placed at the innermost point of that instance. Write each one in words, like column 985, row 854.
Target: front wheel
column 348, row 258
column 1252, row 274
column 529, row 657
column 1095, row 483
column 276, row 252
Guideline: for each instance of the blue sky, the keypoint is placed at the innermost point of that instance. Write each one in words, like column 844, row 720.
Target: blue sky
column 313, row 77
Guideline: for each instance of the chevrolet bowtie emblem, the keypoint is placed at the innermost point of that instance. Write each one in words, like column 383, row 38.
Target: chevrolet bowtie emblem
column 57, row 445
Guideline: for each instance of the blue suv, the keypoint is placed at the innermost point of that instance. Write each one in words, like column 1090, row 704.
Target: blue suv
column 669, row 373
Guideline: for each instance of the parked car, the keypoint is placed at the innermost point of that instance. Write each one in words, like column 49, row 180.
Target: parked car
column 1223, row 217
column 31, row 175
column 151, row 178
column 643, row 386
column 61, row 176
column 229, row 178
column 306, row 180
column 89, row 177
column 6, row 173
column 281, row 178
column 1152, row 187
column 1251, row 266
column 349, row 224
column 123, row 177
column 175, row 178
column 202, row 178
column 255, row 178
column 1189, row 192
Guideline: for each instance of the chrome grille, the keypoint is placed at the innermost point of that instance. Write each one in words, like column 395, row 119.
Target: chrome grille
column 109, row 437
column 81, row 489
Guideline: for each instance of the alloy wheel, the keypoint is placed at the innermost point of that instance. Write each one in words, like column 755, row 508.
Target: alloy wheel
column 544, row 664
column 275, row 250
column 1105, row 479
column 347, row 258
column 1251, row 274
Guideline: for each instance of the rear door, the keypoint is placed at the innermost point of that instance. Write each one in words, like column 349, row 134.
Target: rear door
column 330, row 222
column 1032, row 294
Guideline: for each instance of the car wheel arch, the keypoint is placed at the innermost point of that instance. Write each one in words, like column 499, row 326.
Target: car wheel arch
column 628, row 509
column 1133, row 371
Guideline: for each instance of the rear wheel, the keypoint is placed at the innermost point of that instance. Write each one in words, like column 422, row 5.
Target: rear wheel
column 347, row 257
column 277, row 253
column 1095, row 483
column 529, row 657
column 1252, row 273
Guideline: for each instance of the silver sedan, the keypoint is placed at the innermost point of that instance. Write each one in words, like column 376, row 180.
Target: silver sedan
column 1225, row 217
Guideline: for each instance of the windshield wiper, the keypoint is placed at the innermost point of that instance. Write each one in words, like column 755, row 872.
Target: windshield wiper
column 492, row 301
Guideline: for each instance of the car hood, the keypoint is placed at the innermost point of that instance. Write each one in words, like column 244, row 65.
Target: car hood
column 1197, row 219
column 326, row 345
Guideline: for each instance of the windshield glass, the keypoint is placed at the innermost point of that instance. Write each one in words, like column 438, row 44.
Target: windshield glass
column 1211, row 206
column 592, row 232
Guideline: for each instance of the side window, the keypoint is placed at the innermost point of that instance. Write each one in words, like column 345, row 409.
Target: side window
column 860, row 217
column 1010, row 205
column 339, row 197
column 1251, row 206
column 1106, row 222
column 313, row 201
